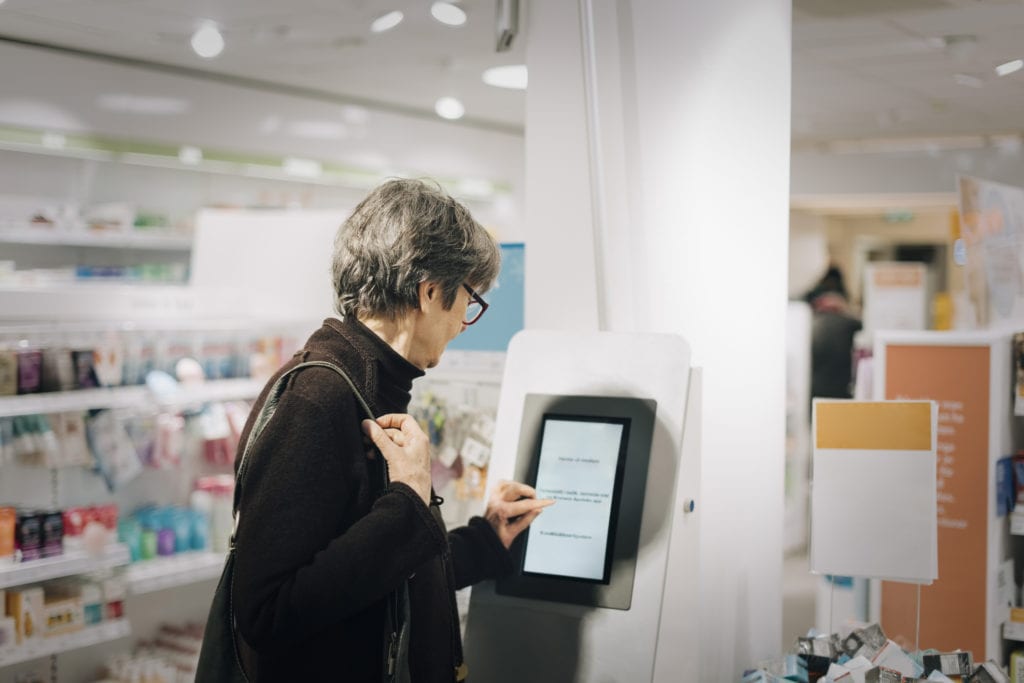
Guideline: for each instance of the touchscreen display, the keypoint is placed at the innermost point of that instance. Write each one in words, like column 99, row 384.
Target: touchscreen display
column 580, row 465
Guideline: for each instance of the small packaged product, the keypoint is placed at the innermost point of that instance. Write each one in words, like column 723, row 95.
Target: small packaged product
column 25, row 605
column 113, row 597
column 8, row 523
column 30, row 370
column 113, row 450
column 69, row 430
column 85, row 372
column 8, row 372
column 28, row 536
column 108, row 361
column 92, row 603
column 7, row 451
column 949, row 663
column 1017, row 666
column 74, row 524
column 52, row 537
column 58, row 370
column 62, row 613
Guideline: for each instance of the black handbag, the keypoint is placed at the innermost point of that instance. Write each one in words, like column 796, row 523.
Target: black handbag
column 219, row 658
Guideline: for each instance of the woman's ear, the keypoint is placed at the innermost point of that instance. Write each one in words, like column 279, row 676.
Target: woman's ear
column 430, row 293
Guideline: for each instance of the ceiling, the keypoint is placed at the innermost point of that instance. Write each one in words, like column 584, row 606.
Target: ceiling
column 862, row 69
column 890, row 68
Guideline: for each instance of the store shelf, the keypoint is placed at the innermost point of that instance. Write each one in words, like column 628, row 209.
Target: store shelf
column 212, row 391
column 177, row 570
column 71, row 401
column 125, row 397
column 156, row 240
column 68, row 564
column 87, row 637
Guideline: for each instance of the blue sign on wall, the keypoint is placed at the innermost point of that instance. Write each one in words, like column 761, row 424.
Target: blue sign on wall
column 504, row 316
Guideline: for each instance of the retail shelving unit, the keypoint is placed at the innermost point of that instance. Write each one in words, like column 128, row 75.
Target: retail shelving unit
column 182, row 569
column 69, row 564
column 44, row 647
column 149, row 239
column 127, row 397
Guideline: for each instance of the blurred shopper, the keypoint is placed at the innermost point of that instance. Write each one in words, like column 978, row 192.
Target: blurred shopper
column 832, row 332
column 319, row 548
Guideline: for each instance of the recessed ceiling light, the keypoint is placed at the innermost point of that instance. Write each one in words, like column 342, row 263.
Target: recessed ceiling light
column 475, row 187
column 354, row 115
column 207, row 41
column 190, row 156
column 302, row 168
column 318, row 130
column 449, row 108
column 386, row 22
column 968, row 80
column 448, row 13
column 54, row 140
column 142, row 104
column 513, row 76
column 1010, row 67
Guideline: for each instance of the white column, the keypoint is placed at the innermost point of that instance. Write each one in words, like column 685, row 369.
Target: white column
column 673, row 218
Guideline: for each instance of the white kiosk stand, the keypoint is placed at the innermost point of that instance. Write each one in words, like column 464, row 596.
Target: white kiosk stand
column 606, row 584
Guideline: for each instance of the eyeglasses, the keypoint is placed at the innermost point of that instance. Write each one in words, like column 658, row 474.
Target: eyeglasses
column 475, row 308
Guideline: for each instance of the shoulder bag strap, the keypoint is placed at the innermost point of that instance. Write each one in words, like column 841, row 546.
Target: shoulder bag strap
column 267, row 412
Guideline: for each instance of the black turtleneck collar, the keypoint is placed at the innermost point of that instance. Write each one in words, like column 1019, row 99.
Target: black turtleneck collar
column 389, row 371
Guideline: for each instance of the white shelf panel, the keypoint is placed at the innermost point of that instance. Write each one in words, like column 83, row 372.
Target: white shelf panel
column 68, row 564
column 71, row 401
column 87, row 637
column 126, row 397
column 216, row 390
column 177, row 570
column 51, row 237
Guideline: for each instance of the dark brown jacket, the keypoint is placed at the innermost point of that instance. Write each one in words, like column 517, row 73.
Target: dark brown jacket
column 319, row 549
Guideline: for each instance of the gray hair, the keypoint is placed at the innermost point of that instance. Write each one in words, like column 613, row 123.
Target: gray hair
column 403, row 233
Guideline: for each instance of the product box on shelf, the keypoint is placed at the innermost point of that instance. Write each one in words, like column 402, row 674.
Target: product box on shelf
column 58, row 370
column 92, row 603
column 8, row 522
column 90, row 527
column 114, row 592
column 1017, row 666
column 8, row 372
column 52, row 537
column 28, row 535
column 62, row 614
column 26, row 607
column 30, row 370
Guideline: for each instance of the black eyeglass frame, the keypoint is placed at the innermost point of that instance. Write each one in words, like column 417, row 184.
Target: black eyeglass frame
column 478, row 299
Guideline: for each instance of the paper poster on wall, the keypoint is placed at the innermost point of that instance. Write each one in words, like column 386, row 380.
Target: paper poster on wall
column 895, row 296
column 505, row 312
column 873, row 499
column 992, row 229
column 953, row 609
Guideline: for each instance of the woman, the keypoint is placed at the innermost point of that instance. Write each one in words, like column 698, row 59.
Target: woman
column 319, row 548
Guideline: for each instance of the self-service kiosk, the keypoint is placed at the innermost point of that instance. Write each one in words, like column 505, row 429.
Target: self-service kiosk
column 605, row 586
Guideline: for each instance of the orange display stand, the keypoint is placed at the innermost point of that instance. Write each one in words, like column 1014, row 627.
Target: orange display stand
column 969, row 375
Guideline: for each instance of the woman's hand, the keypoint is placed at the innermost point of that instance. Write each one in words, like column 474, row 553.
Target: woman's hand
column 511, row 508
column 406, row 449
